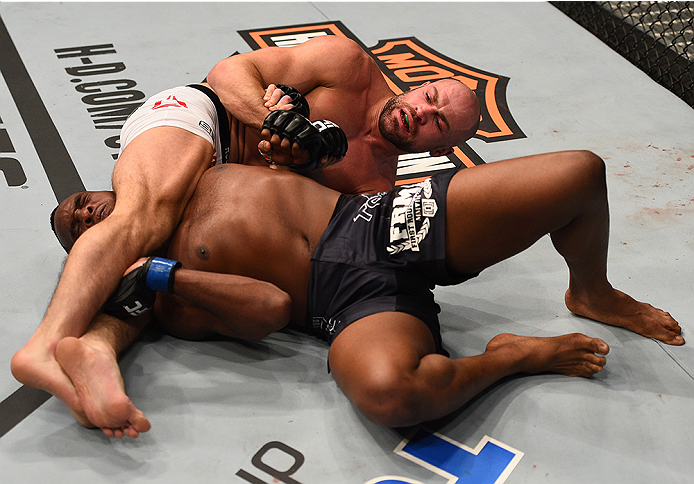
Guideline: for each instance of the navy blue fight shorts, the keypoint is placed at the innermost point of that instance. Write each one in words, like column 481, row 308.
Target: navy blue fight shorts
column 383, row 252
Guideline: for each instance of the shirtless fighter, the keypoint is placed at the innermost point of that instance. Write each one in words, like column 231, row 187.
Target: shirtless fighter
column 163, row 158
column 357, row 271
column 344, row 84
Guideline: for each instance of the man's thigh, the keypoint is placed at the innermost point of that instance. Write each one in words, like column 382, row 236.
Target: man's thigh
column 160, row 169
column 497, row 210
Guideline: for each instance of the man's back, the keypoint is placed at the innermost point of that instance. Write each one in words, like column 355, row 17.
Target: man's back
column 258, row 223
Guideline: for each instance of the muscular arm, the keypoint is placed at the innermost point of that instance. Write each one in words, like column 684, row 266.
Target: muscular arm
column 240, row 80
column 206, row 304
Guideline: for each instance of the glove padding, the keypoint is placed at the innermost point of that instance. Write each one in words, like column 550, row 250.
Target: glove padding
column 137, row 290
column 298, row 100
column 320, row 138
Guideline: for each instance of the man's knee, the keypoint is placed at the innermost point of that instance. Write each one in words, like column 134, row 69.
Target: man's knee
column 388, row 398
column 585, row 174
column 148, row 225
column 589, row 166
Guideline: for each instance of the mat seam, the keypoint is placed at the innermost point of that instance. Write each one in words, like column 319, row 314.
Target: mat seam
column 675, row 359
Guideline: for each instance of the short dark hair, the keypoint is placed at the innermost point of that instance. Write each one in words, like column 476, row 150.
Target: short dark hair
column 53, row 227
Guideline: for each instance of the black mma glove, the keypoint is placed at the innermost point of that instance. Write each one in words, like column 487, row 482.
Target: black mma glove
column 136, row 291
column 298, row 100
column 320, row 138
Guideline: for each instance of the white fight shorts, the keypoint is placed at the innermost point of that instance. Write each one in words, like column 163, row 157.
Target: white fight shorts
column 182, row 107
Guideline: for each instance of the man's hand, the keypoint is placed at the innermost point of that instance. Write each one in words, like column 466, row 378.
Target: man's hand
column 323, row 141
column 319, row 143
column 281, row 151
column 286, row 98
column 275, row 149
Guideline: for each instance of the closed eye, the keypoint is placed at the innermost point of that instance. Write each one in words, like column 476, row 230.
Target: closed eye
column 431, row 101
column 74, row 225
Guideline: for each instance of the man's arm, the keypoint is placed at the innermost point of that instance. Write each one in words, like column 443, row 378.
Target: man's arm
column 205, row 304
column 241, row 80
column 193, row 304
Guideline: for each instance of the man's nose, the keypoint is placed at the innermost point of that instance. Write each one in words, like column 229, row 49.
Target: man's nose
column 423, row 113
column 85, row 215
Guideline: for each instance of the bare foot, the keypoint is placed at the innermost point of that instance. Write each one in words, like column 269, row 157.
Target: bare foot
column 618, row 309
column 570, row 354
column 35, row 366
column 99, row 386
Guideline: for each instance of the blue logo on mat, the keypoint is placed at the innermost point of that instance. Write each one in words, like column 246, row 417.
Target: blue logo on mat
column 491, row 462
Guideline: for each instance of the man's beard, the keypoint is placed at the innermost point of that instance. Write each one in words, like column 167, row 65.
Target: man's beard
column 390, row 128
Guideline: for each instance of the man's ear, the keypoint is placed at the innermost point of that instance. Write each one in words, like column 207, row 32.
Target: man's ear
column 442, row 151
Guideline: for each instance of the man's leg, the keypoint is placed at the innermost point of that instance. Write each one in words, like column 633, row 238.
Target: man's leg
column 386, row 365
column 210, row 304
column 91, row 364
column 497, row 210
column 153, row 179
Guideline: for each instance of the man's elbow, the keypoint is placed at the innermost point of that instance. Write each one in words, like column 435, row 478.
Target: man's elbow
column 216, row 74
column 280, row 310
column 223, row 72
column 276, row 314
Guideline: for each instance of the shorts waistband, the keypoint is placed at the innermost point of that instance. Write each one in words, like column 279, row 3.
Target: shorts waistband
column 341, row 202
column 222, row 120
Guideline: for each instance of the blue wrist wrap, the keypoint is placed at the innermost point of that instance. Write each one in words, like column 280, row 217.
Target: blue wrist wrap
column 160, row 276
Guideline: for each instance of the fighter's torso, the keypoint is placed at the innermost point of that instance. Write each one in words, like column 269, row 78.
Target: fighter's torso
column 367, row 170
column 255, row 222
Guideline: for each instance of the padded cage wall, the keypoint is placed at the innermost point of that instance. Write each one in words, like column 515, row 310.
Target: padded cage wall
column 657, row 37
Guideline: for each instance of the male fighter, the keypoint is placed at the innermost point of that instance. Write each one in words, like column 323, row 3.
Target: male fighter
column 358, row 271
column 170, row 141
column 344, row 84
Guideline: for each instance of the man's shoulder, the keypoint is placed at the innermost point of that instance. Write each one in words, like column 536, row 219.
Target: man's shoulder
column 341, row 53
column 340, row 44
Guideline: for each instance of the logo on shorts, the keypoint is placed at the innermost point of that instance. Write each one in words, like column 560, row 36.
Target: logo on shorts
column 407, row 63
column 206, row 127
column 410, row 221
column 324, row 327
column 136, row 310
column 169, row 102
column 366, row 209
